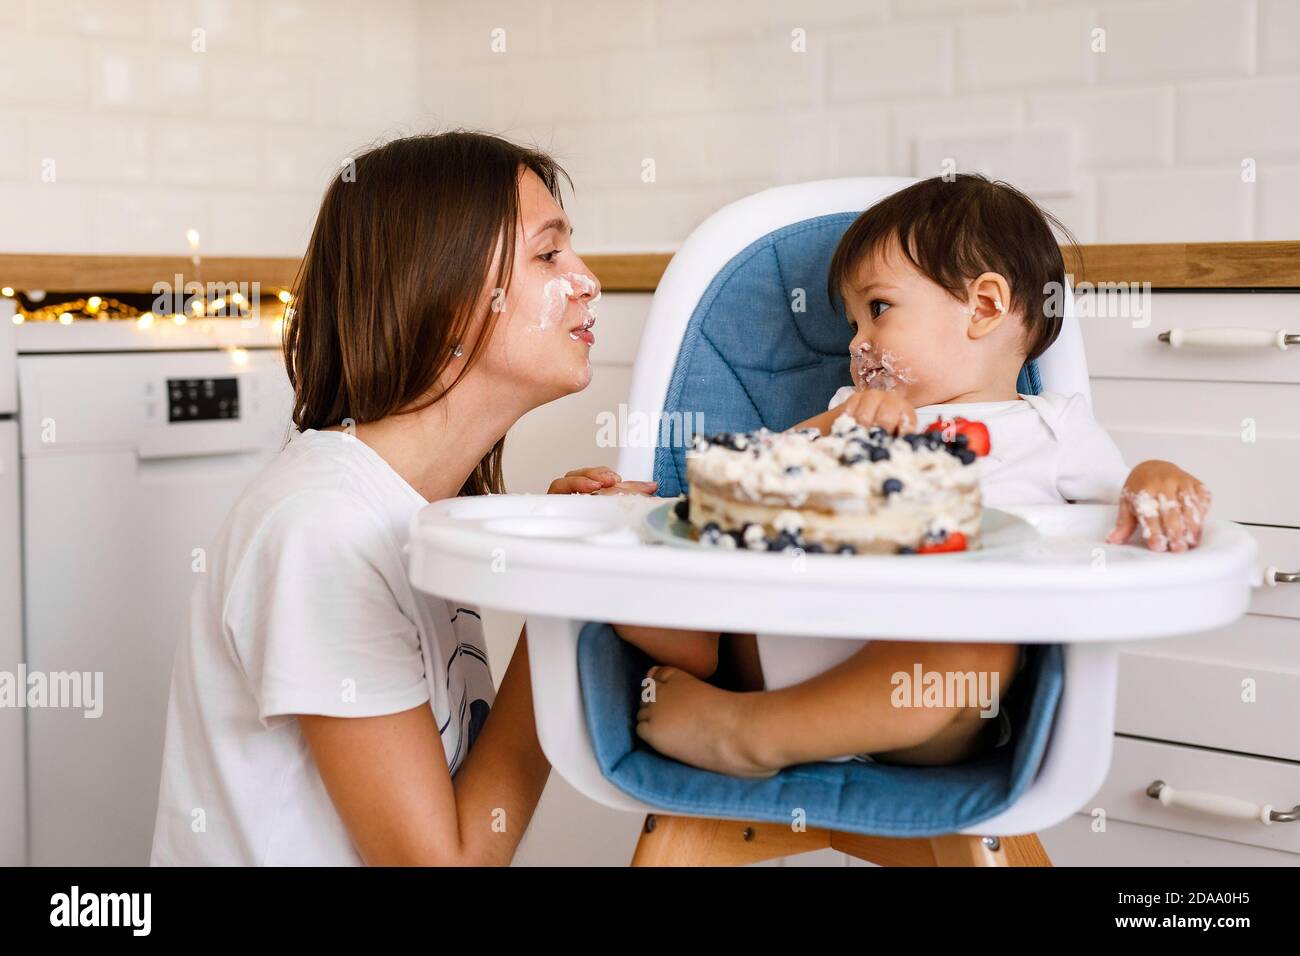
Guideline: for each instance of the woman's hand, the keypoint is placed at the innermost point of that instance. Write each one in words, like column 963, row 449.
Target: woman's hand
column 1166, row 502
column 887, row 409
column 599, row 481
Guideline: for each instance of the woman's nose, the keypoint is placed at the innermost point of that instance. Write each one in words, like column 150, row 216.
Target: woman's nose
column 589, row 286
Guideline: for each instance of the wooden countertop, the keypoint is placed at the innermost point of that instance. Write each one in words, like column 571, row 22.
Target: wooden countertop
column 1197, row 265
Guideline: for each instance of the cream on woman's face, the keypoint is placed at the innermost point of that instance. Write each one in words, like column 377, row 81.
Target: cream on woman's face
column 544, row 332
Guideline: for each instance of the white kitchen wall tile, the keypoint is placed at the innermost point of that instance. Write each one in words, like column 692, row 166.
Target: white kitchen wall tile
column 466, row 30
column 150, row 220
column 1176, row 39
column 953, row 116
column 228, row 26
column 1035, row 161
column 947, row 9
column 662, row 82
column 106, row 18
column 86, row 148
column 1113, row 128
column 1277, row 203
column 768, row 75
column 1175, row 206
column 250, row 89
column 44, row 74
column 192, row 153
column 351, row 92
column 772, row 147
column 1229, row 121
column 858, row 141
column 261, row 224
column 1077, row 212
column 578, row 25
column 1024, row 51
column 605, row 154
column 690, row 23
column 908, row 60
column 39, row 217
column 658, row 217
column 13, row 136
column 13, row 14
column 137, row 78
column 1278, row 29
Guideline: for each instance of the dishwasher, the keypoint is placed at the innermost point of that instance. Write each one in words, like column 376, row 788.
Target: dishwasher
column 133, row 448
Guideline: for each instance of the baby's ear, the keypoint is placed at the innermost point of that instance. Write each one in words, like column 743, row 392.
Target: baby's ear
column 989, row 303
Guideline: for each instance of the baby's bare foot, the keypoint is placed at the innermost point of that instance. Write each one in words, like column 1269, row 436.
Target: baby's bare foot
column 699, row 724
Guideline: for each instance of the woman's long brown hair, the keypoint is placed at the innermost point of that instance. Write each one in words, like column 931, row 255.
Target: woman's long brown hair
column 394, row 273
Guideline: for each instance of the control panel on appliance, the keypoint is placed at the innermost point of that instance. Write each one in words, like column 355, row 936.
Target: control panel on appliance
column 202, row 399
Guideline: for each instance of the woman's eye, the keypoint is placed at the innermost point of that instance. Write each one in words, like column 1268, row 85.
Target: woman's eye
column 549, row 256
column 882, row 307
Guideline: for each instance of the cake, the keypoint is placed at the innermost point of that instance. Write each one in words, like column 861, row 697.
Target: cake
column 856, row 490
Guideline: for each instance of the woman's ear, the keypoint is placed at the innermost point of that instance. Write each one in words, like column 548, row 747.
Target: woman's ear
column 988, row 303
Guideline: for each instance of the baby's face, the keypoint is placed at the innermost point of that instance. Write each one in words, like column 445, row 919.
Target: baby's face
column 910, row 334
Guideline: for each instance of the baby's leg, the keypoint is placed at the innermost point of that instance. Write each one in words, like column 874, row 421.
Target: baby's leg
column 854, row 707
column 695, row 652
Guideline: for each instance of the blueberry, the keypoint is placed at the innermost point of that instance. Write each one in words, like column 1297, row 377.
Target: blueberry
column 879, row 454
column 846, row 549
column 891, row 486
column 966, row 455
column 737, row 537
column 775, row 543
column 876, row 433
column 793, row 470
column 961, row 441
column 851, row 458
column 906, row 550
column 683, row 509
column 812, row 547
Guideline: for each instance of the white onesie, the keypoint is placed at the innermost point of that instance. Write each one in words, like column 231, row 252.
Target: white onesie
column 1043, row 449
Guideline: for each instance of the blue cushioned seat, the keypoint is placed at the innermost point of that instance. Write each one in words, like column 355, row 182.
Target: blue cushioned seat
column 765, row 348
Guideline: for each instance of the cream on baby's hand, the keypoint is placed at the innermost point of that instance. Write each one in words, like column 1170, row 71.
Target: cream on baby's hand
column 1167, row 503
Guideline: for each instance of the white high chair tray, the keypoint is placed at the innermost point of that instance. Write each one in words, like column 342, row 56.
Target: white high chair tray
column 585, row 557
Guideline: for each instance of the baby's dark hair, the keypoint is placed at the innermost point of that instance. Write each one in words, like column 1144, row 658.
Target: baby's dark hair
column 954, row 229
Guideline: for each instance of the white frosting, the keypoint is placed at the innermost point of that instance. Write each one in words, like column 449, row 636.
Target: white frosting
column 878, row 370
column 804, row 469
column 559, row 290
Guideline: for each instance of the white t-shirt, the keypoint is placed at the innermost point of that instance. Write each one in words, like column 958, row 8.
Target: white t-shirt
column 305, row 607
column 1043, row 449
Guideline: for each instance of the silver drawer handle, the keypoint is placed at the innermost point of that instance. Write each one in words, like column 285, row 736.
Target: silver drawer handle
column 1230, row 338
column 1221, row 806
column 1272, row 576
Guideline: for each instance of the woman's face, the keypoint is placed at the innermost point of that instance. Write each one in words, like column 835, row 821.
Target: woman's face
column 541, row 346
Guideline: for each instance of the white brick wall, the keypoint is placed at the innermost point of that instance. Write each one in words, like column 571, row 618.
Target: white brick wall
column 149, row 138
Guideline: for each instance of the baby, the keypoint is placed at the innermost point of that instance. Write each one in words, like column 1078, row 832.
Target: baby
column 949, row 287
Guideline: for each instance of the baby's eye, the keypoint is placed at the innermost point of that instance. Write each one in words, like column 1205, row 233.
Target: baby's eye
column 878, row 302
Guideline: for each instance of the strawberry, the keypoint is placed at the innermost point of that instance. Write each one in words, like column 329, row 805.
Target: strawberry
column 977, row 433
column 955, row 541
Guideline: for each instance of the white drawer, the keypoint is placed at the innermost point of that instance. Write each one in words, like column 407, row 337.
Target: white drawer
column 1138, row 763
column 1280, row 548
column 1190, row 689
column 1123, row 344
column 1199, row 426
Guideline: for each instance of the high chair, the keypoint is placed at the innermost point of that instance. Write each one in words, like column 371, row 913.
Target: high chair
column 742, row 331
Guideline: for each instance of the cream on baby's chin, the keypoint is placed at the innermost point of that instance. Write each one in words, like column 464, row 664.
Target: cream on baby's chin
column 878, row 370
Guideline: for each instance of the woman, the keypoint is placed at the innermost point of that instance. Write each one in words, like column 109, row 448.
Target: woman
column 322, row 711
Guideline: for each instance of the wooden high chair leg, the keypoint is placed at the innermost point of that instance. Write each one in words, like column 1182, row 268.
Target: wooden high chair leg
column 694, row 841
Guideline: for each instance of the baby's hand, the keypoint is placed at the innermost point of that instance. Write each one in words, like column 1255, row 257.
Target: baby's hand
column 1166, row 502
column 887, row 409
column 599, row 481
